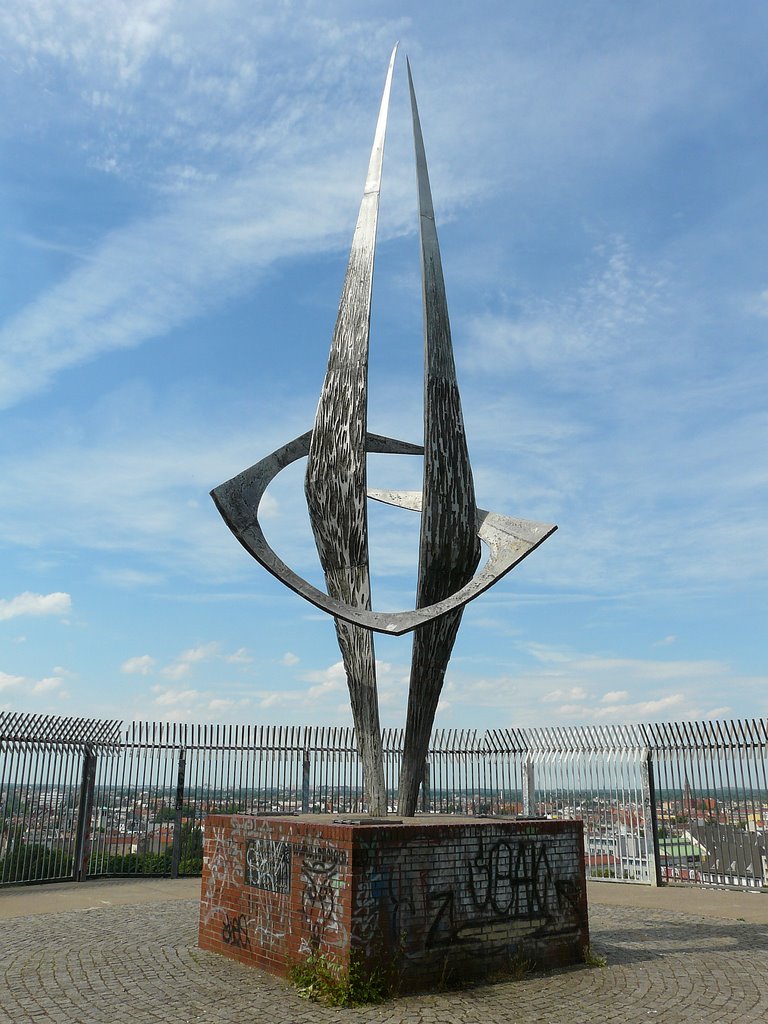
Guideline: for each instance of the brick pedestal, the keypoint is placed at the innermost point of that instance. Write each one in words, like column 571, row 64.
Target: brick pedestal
column 425, row 900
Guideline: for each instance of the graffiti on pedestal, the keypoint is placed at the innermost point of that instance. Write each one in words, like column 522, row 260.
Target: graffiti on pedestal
column 511, row 880
column 321, row 906
column 225, row 868
column 234, row 931
column 423, row 907
column 268, row 865
column 266, row 897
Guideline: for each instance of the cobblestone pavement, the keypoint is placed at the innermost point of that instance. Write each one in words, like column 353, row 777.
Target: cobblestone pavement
column 140, row 964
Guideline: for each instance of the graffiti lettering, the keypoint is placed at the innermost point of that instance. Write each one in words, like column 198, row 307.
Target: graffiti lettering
column 511, row 880
column 225, row 868
column 234, row 931
column 568, row 895
column 321, row 853
column 270, row 916
column 443, row 927
column 319, row 903
column 268, row 865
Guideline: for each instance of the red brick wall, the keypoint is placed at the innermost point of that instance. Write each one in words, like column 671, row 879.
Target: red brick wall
column 423, row 900
column 275, row 889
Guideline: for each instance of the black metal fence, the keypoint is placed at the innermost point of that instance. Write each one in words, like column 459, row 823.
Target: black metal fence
column 677, row 802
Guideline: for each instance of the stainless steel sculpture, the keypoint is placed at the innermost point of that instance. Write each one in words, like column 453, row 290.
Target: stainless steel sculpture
column 337, row 492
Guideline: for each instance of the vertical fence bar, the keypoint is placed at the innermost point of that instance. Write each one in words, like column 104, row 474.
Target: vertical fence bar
column 179, row 809
column 529, row 786
column 84, row 808
column 650, row 781
column 306, row 766
column 426, row 798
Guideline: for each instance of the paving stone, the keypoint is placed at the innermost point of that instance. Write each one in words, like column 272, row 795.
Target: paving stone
column 140, row 964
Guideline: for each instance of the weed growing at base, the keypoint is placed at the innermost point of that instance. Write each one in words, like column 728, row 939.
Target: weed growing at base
column 592, row 959
column 324, row 981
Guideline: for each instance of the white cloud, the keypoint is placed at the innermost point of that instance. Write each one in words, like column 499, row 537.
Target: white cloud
column 182, row 665
column 200, row 653
column 289, row 659
column 177, row 670
column 7, row 681
column 259, row 150
column 615, row 696
column 32, row 687
column 168, row 698
column 277, row 698
column 599, row 318
column 35, row 604
column 586, row 691
column 574, row 693
column 391, row 684
column 194, row 704
column 666, row 706
column 130, row 578
column 328, row 680
column 758, row 304
column 140, row 665
column 667, row 641
column 239, row 657
column 144, row 280
column 119, row 491
column 220, row 704
column 47, row 685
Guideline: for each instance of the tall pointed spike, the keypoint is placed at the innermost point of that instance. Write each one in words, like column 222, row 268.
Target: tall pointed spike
column 336, row 479
column 449, row 549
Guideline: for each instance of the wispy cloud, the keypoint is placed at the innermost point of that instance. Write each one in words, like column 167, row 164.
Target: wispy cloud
column 257, row 182
column 141, row 665
column 567, row 686
column 128, row 492
column 193, row 704
column 600, row 318
column 239, row 657
column 257, row 172
column 181, row 666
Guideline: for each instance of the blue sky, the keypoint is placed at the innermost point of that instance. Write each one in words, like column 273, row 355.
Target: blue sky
column 178, row 188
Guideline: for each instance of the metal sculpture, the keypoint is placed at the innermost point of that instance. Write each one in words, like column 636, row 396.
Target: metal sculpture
column 337, row 492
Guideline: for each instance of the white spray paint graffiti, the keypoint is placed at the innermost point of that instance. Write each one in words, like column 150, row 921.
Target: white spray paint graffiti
column 266, row 896
column 225, row 868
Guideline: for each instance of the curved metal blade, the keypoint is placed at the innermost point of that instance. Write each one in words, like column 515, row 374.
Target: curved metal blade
column 449, row 549
column 336, row 478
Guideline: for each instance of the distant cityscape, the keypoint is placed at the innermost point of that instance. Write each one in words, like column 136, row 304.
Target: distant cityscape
column 717, row 839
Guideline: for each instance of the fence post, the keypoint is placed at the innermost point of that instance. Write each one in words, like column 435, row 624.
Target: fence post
column 179, row 807
column 426, row 789
column 84, row 812
column 529, row 785
column 305, row 770
column 650, row 779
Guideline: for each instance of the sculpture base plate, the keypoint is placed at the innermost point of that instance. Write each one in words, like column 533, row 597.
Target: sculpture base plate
column 426, row 900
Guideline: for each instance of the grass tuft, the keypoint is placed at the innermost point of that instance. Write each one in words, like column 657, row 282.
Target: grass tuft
column 324, row 981
column 593, row 959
